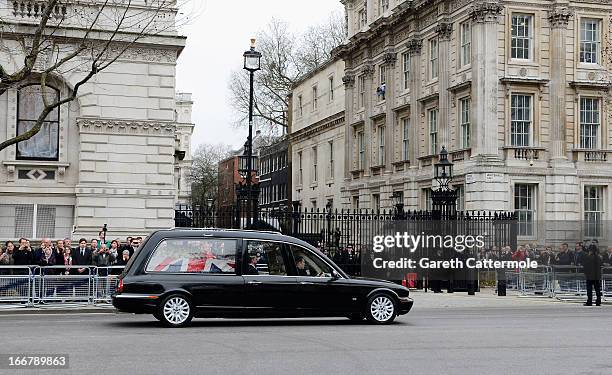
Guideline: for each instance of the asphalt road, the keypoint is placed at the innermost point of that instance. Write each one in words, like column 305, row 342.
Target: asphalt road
column 527, row 339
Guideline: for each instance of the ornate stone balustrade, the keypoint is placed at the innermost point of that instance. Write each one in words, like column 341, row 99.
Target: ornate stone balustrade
column 35, row 9
column 591, row 156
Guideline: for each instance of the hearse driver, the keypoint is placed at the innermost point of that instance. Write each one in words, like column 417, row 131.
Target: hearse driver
column 300, row 264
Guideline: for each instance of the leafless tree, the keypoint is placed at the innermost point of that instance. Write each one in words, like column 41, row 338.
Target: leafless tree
column 286, row 57
column 45, row 41
column 318, row 41
column 203, row 173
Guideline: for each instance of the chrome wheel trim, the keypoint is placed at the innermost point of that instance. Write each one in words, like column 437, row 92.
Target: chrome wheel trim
column 382, row 308
column 176, row 310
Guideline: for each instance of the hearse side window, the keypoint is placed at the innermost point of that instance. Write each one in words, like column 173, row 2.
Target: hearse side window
column 194, row 255
column 308, row 264
column 265, row 258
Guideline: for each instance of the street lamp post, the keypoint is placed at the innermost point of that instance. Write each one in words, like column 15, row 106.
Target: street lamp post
column 252, row 63
column 444, row 206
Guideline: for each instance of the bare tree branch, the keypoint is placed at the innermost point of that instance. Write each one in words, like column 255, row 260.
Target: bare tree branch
column 131, row 24
column 285, row 58
column 203, row 174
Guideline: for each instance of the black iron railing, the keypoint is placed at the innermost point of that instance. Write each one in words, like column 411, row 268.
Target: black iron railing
column 345, row 233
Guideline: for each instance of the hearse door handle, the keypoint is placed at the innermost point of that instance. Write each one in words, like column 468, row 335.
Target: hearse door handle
column 254, row 282
column 306, row 283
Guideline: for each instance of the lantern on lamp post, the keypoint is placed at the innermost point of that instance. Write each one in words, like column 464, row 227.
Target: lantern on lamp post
column 443, row 198
column 398, row 202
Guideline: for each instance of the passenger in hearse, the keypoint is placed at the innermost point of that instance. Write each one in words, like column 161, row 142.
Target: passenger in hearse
column 252, row 268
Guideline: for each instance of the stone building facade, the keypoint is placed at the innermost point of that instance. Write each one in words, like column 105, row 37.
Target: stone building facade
column 182, row 145
column 317, row 137
column 274, row 176
column 517, row 91
column 111, row 156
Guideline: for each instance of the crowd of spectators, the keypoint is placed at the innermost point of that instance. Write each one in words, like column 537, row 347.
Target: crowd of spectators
column 348, row 258
column 95, row 252
column 547, row 255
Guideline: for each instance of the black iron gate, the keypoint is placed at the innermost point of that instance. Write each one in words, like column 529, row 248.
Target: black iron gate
column 344, row 234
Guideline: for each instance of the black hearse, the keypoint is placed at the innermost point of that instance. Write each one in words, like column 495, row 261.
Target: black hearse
column 181, row 273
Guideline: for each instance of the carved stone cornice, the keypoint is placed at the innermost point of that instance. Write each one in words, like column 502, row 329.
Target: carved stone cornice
column 367, row 70
column 103, row 126
column 444, row 30
column 559, row 17
column 348, row 80
column 163, row 55
column 389, row 58
column 318, row 127
column 414, row 46
column 487, row 11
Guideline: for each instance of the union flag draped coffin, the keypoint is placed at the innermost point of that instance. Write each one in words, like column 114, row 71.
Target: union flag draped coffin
column 207, row 263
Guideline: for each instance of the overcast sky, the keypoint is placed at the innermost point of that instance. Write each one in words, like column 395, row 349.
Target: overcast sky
column 216, row 40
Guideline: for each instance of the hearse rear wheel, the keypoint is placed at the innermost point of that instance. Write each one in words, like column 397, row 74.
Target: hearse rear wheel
column 175, row 311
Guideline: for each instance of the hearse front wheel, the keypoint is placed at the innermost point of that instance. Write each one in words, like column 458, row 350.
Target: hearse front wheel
column 380, row 309
column 175, row 311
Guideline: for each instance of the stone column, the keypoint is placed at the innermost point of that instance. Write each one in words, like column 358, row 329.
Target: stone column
column 368, row 72
column 349, row 87
column 485, row 80
column 445, row 31
column 414, row 49
column 390, row 124
column 558, row 18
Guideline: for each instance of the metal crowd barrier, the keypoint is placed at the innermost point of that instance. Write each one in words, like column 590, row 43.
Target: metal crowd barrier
column 512, row 280
column 536, row 282
column 568, row 282
column 61, row 284
column 105, row 283
column 606, row 279
column 33, row 285
column 561, row 282
column 16, row 284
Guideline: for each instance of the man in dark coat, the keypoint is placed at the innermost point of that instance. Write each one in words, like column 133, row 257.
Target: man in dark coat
column 82, row 256
column 591, row 263
column 23, row 255
column 564, row 257
column 607, row 261
column 252, row 266
column 38, row 254
column 579, row 254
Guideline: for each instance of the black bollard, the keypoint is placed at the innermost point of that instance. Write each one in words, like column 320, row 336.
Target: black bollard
column 501, row 282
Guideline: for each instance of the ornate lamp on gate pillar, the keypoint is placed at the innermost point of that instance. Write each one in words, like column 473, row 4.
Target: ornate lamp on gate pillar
column 328, row 216
column 444, row 198
column 444, row 208
column 398, row 202
column 295, row 217
column 252, row 63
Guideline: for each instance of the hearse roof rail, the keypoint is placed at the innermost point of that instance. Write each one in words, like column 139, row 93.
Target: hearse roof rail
column 229, row 230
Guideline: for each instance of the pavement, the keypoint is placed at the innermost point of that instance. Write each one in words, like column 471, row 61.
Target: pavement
column 444, row 334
